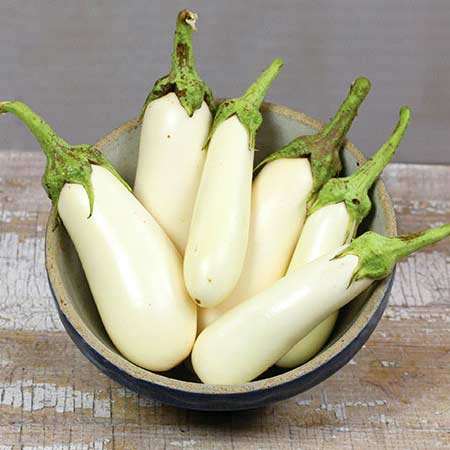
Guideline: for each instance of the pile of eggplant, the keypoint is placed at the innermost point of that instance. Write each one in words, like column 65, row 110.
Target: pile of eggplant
column 239, row 267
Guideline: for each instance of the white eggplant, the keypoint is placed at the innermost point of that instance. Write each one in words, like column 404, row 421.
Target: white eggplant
column 278, row 209
column 218, row 236
column 251, row 337
column 133, row 269
column 340, row 207
column 176, row 122
column 280, row 194
column 219, row 229
column 324, row 230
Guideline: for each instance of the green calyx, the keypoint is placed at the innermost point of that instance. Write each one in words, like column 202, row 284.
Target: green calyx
column 65, row 163
column 353, row 190
column 378, row 254
column 247, row 107
column 322, row 149
column 183, row 78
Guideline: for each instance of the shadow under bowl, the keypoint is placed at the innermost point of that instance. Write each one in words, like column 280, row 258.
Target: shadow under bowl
column 179, row 387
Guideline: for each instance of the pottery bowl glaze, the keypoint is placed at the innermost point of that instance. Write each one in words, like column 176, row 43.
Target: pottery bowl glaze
column 179, row 387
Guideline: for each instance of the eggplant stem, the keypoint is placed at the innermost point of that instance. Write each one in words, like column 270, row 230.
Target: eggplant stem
column 42, row 131
column 322, row 149
column 353, row 190
column 365, row 176
column 65, row 163
column 377, row 254
column 338, row 127
column 183, row 55
column 246, row 108
column 183, row 79
column 405, row 245
column 256, row 92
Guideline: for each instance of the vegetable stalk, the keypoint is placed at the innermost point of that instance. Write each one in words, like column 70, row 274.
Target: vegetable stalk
column 183, row 78
column 246, row 108
column 353, row 190
column 322, row 149
column 65, row 163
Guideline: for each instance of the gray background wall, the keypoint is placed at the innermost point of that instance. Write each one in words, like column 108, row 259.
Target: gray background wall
column 87, row 66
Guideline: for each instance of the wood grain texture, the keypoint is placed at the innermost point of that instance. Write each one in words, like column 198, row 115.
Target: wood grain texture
column 393, row 395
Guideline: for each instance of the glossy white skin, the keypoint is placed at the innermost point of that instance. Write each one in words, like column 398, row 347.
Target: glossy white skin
column 251, row 337
column 219, row 230
column 134, row 272
column 324, row 231
column 170, row 164
column 278, row 210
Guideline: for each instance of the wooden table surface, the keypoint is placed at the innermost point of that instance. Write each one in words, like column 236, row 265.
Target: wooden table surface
column 395, row 394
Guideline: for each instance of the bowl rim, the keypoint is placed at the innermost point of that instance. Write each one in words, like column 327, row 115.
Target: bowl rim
column 365, row 315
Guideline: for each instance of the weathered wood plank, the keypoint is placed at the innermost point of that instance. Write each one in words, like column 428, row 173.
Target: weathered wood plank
column 24, row 209
column 393, row 395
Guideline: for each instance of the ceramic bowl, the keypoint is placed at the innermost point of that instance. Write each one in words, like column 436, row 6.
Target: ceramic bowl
column 179, row 387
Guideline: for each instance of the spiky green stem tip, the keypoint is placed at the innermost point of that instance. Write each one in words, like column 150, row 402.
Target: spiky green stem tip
column 322, row 149
column 65, row 163
column 246, row 108
column 378, row 254
column 353, row 190
column 183, row 78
